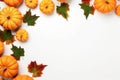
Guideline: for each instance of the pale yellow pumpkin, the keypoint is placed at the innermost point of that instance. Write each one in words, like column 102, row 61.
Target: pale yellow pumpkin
column 8, row 66
column 31, row 3
column 47, row 6
column 13, row 3
column 10, row 18
column 22, row 35
column 1, row 47
column 104, row 6
column 23, row 77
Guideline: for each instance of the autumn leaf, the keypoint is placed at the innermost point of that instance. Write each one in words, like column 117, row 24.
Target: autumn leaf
column 86, row 1
column 1, row 0
column 17, row 52
column 36, row 69
column 87, row 9
column 30, row 19
column 63, row 10
column 7, row 36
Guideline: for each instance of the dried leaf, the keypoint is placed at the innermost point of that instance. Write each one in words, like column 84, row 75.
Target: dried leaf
column 30, row 19
column 36, row 69
column 63, row 10
column 17, row 52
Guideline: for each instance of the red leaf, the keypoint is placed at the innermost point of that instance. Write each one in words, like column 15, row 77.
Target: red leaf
column 36, row 69
column 86, row 1
column 1, row 0
column 93, row 10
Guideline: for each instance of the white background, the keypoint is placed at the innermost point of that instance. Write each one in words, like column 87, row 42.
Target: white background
column 73, row 49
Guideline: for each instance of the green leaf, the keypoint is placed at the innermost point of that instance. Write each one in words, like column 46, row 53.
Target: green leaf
column 87, row 9
column 17, row 52
column 6, row 35
column 63, row 9
column 30, row 19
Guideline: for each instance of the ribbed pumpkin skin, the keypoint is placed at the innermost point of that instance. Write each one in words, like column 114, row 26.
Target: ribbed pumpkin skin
column 1, row 47
column 63, row 1
column 13, row 3
column 31, row 3
column 8, row 66
column 22, row 35
column 117, row 10
column 47, row 6
column 104, row 6
column 10, row 18
column 23, row 77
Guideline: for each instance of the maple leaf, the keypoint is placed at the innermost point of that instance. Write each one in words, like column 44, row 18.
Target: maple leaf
column 87, row 9
column 86, row 1
column 17, row 52
column 30, row 19
column 63, row 10
column 7, row 36
column 1, row 0
column 36, row 69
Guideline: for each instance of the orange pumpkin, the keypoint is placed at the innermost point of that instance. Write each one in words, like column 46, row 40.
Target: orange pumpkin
column 13, row 3
column 104, row 6
column 23, row 77
column 117, row 10
column 47, row 6
column 63, row 1
column 31, row 3
column 10, row 18
column 8, row 66
column 22, row 35
column 1, row 47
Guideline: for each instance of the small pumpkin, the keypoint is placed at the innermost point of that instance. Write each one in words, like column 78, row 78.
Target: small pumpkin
column 22, row 35
column 63, row 1
column 31, row 3
column 1, row 47
column 13, row 3
column 104, row 6
column 47, row 6
column 10, row 18
column 8, row 66
column 23, row 77
column 117, row 10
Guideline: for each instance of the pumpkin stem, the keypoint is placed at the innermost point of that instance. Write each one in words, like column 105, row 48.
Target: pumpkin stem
column 4, row 69
column 106, row 1
column 8, row 17
column 46, row 7
column 30, row 1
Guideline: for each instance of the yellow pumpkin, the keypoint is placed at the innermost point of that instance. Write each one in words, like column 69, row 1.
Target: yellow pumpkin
column 8, row 66
column 13, row 3
column 22, row 35
column 104, row 6
column 31, row 3
column 1, row 79
column 23, row 77
column 10, row 18
column 47, row 6
column 1, row 47
column 63, row 1
column 117, row 10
